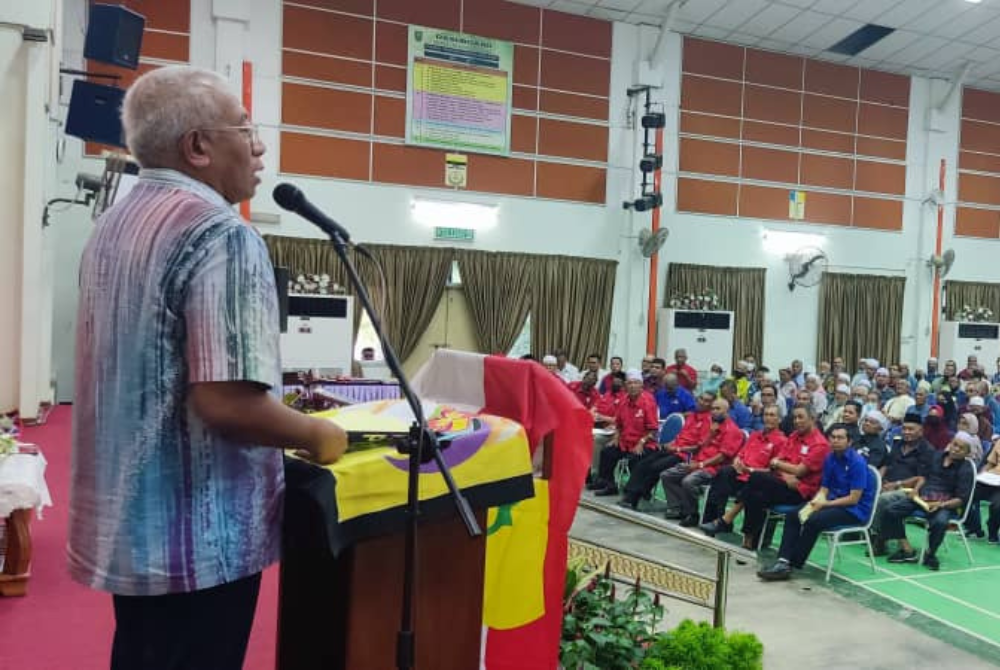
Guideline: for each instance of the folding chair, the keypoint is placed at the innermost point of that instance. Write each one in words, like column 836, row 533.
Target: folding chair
column 835, row 536
column 774, row 514
column 956, row 525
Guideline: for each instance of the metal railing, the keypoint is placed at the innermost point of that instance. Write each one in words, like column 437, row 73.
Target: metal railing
column 704, row 590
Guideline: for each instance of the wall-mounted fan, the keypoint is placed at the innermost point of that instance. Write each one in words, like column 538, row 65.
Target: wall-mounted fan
column 943, row 262
column 806, row 267
column 650, row 242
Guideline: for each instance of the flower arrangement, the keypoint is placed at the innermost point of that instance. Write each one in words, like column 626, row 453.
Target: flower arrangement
column 314, row 285
column 705, row 300
column 975, row 314
column 8, row 436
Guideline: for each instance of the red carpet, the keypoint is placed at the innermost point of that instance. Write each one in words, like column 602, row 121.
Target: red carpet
column 61, row 625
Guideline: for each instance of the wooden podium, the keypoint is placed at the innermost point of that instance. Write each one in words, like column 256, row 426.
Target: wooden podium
column 339, row 607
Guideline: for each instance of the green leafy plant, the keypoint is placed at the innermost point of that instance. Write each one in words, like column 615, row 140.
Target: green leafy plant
column 601, row 631
column 699, row 646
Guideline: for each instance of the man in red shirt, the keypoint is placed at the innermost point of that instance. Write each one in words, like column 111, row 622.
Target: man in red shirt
column 586, row 390
column 796, row 471
column 636, row 426
column 686, row 374
column 646, row 472
column 731, row 479
column 682, row 483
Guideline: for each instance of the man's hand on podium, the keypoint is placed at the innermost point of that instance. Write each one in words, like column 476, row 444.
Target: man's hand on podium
column 329, row 445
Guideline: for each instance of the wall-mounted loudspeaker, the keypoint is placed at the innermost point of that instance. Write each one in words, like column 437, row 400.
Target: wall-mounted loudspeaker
column 114, row 36
column 94, row 113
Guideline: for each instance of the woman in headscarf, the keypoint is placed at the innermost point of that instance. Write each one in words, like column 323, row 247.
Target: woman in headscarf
column 947, row 402
column 970, row 424
column 936, row 429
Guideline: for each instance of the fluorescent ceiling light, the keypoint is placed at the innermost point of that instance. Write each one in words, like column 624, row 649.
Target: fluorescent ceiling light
column 782, row 243
column 973, row 2
column 454, row 214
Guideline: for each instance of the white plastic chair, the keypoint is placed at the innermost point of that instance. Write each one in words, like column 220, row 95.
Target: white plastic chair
column 835, row 536
column 956, row 525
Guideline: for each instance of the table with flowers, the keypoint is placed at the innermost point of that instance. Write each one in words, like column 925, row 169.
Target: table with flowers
column 22, row 491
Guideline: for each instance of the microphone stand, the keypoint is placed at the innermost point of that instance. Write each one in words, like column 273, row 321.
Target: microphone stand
column 420, row 438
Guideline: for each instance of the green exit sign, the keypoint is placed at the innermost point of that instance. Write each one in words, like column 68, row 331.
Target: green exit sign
column 442, row 234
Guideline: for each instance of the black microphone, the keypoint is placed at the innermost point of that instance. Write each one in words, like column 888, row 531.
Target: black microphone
column 288, row 196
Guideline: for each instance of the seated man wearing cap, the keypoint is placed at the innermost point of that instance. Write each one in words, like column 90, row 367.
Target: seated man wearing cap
column 945, row 489
column 551, row 364
column 909, row 457
column 841, row 394
column 682, row 482
column 646, row 472
column 636, row 425
column 896, row 407
column 845, row 498
column 869, row 444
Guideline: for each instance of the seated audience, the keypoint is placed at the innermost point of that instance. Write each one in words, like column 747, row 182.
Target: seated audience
column 971, row 367
column 882, row 387
column 803, row 397
column 686, row 374
column 977, row 407
column 715, row 378
column 755, row 456
column 922, row 400
column 795, row 474
column 766, row 397
column 564, row 369
column 682, row 482
column 652, row 380
column 798, row 373
column 945, row 489
column 738, row 412
column 742, row 381
column 645, row 473
column 636, row 425
column 936, row 430
column 786, row 386
column 989, row 493
column 946, row 401
column 550, row 363
column 970, row 424
column 895, row 408
column 586, row 390
column 869, row 444
column 673, row 398
column 593, row 364
column 932, row 370
column 841, row 394
column 909, row 457
column 814, row 386
column 616, row 366
column 845, row 498
column 941, row 380
column 850, row 416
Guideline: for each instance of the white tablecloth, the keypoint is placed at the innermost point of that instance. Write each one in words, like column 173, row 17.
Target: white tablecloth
column 22, row 483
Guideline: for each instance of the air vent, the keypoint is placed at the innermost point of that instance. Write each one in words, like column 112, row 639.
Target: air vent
column 860, row 39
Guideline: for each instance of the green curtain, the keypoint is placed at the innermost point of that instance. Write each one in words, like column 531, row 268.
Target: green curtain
column 974, row 294
column 497, row 289
column 571, row 306
column 860, row 316
column 740, row 290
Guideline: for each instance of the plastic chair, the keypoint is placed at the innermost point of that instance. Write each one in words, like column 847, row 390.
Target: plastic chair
column 835, row 536
column 777, row 515
column 621, row 473
column 670, row 428
column 956, row 525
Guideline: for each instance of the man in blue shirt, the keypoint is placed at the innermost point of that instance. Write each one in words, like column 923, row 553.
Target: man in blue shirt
column 738, row 412
column 672, row 398
column 845, row 498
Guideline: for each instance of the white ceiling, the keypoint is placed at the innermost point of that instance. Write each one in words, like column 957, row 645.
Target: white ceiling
column 933, row 38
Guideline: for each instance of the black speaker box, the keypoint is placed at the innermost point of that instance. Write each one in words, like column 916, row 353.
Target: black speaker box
column 114, row 36
column 95, row 113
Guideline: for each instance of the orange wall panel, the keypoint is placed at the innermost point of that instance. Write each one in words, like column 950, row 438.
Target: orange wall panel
column 880, row 177
column 316, row 107
column 878, row 214
column 774, row 69
column 438, row 14
column 770, row 165
column 771, row 133
column 389, row 78
column 761, row 202
column 566, row 72
column 494, row 174
column 706, row 197
column 523, row 133
column 829, row 208
column 363, row 7
column 770, row 104
column 832, row 79
column 827, row 171
column 571, row 182
column 968, row 160
column 706, row 157
column 324, row 156
column 984, row 137
column 880, row 148
column 572, row 140
column 172, row 16
column 526, row 65
column 827, row 113
column 828, row 141
column 326, row 68
column 982, row 105
column 568, row 104
column 979, row 189
column 714, row 59
column 971, row 222
column 524, row 97
column 323, row 32
column 501, row 20
column 882, row 121
column 412, row 166
column 715, row 126
column 391, row 43
column 390, row 116
column 578, row 34
column 165, row 46
column 889, row 89
column 699, row 94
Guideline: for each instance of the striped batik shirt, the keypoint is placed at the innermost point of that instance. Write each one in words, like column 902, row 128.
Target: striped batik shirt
column 174, row 289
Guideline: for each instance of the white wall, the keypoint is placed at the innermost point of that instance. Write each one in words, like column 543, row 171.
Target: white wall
column 25, row 279
column 380, row 213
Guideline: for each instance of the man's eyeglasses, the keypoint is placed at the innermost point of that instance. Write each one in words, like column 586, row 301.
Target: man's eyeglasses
column 251, row 131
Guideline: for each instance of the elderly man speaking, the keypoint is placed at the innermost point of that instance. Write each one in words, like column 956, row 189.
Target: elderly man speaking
column 176, row 498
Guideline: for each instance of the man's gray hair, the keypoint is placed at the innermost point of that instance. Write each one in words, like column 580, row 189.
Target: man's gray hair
column 167, row 102
column 809, row 408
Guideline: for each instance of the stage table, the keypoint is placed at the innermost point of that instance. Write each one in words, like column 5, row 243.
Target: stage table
column 22, row 490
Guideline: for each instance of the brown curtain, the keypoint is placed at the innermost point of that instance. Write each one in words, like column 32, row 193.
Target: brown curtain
column 860, row 316
column 415, row 279
column 740, row 290
column 974, row 294
column 498, row 291
column 571, row 305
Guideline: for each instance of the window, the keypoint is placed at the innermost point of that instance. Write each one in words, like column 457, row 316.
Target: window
column 522, row 345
